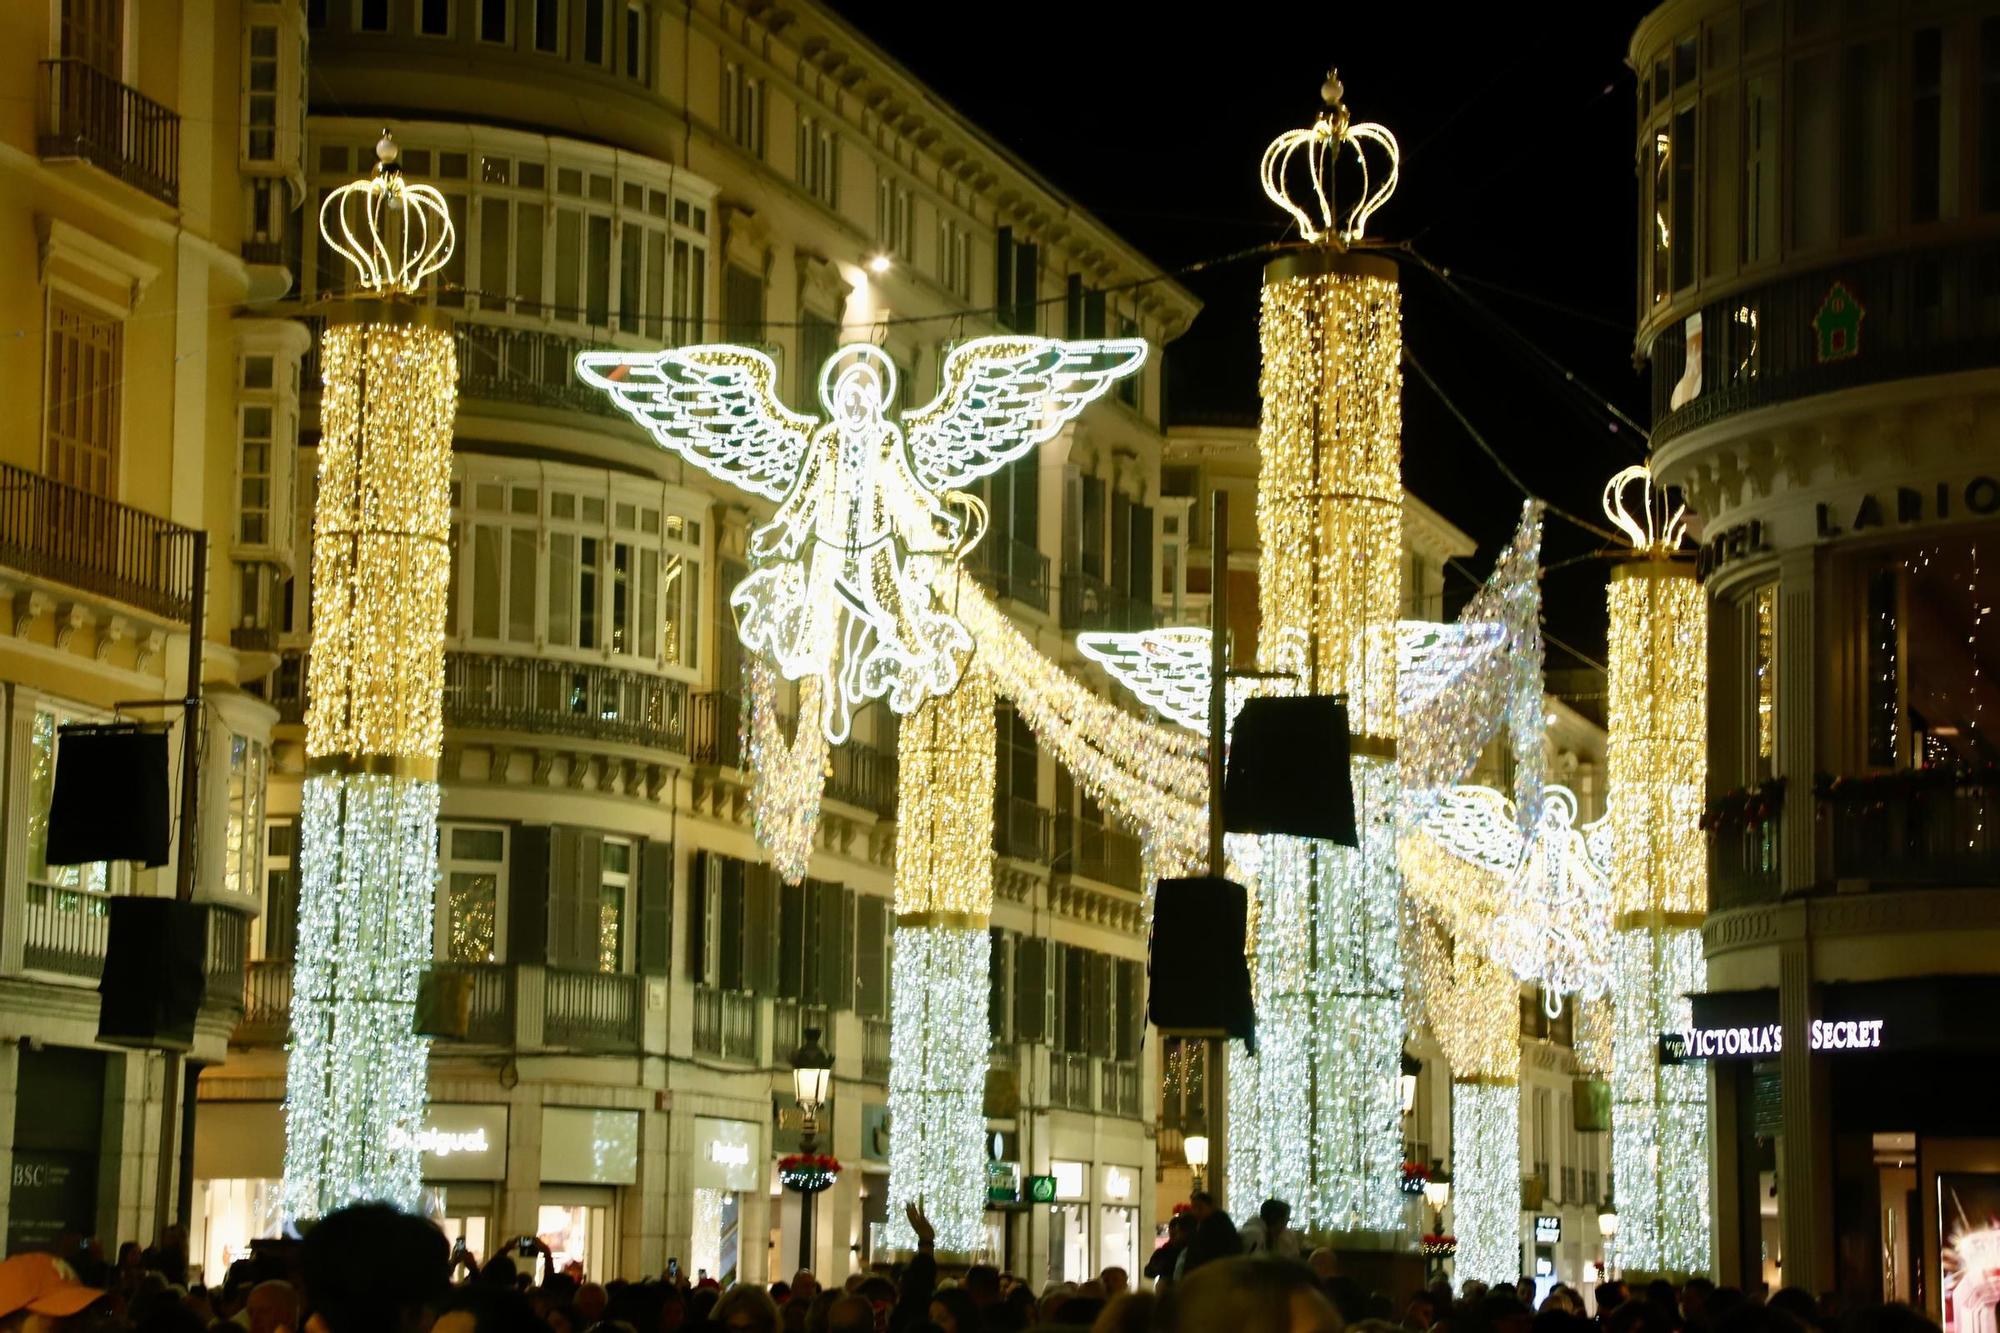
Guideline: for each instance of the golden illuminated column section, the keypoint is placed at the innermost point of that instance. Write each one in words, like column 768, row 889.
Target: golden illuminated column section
column 355, row 1077
column 1314, row 1117
column 1472, row 1006
column 938, row 975
column 1655, row 773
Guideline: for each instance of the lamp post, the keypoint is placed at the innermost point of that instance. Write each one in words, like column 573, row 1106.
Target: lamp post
column 1607, row 1230
column 1437, row 1193
column 812, row 1083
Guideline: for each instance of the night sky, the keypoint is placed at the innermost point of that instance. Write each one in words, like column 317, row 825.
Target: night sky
column 1517, row 130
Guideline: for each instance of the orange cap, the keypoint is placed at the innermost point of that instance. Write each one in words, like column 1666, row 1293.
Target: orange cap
column 42, row 1284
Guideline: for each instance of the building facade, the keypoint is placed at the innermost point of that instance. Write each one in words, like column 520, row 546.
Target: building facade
column 1819, row 301
column 142, row 379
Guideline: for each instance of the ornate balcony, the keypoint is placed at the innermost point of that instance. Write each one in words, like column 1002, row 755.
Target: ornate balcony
column 1924, row 827
column 875, row 1039
column 69, row 536
column 591, row 1011
column 725, row 1024
column 1021, row 829
column 89, row 115
column 503, row 363
column 1015, row 571
column 1096, row 851
column 538, row 695
column 1089, row 603
column 863, row 776
column 718, row 729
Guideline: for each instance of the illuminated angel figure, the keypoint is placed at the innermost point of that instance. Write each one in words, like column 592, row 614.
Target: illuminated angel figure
column 1554, row 913
column 845, row 577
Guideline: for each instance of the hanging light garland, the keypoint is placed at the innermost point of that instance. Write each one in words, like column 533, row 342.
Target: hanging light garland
column 788, row 778
column 355, row 1072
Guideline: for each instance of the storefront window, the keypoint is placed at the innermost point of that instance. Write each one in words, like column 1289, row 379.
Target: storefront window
column 576, row 1233
column 1927, row 692
column 234, row 1213
column 1069, row 1224
column 718, row 1235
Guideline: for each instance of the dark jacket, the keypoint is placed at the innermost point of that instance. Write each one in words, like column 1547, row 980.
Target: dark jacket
column 1216, row 1238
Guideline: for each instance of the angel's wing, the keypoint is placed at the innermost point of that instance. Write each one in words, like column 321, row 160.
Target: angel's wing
column 1477, row 825
column 1003, row 395
column 717, row 407
column 1167, row 668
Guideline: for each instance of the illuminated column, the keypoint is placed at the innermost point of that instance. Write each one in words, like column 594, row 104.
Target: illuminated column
column 1314, row 1116
column 1655, row 771
column 374, row 724
column 1472, row 1007
column 939, row 1038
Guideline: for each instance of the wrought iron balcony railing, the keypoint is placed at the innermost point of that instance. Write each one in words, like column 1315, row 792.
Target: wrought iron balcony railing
column 1015, row 571
column 70, row 536
column 590, row 1011
column 1089, row 603
column 1096, row 851
column 1021, row 829
column 88, row 114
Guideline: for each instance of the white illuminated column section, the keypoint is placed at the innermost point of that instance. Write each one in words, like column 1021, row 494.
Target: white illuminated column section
column 1314, row 1116
column 355, row 1077
column 1655, row 772
column 939, row 1038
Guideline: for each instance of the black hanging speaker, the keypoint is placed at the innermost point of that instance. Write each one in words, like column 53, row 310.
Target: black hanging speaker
column 153, row 973
column 1288, row 769
column 1199, row 981
column 110, row 801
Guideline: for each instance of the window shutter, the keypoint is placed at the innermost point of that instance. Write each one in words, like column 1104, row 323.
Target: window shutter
column 528, row 894
column 871, row 937
column 845, row 998
column 792, row 981
column 1031, row 989
column 1121, row 542
column 701, row 868
column 1073, row 301
column 1027, row 516
column 1003, row 275
column 742, row 305
column 1131, row 1009
column 573, row 906
column 1091, row 528
column 996, row 985
column 656, row 907
column 1027, row 288
column 1141, row 584
column 1098, row 1007
column 1093, row 314
column 729, row 922
column 835, row 987
column 760, row 923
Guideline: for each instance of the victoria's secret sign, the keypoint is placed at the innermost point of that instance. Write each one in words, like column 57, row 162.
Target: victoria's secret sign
column 1978, row 497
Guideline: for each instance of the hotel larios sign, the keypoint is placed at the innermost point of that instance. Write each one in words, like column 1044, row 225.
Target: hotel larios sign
column 1977, row 497
column 1763, row 1039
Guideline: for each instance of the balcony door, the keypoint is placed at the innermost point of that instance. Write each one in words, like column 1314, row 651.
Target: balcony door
column 93, row 31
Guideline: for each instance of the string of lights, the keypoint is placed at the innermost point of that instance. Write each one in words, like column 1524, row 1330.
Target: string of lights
column 788, row 778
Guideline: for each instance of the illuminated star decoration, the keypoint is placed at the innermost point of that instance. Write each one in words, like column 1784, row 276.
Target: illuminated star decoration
column 845, row 578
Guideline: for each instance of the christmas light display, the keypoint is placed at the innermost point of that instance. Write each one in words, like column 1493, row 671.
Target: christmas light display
column 1315, row 1116
column 355, row 1074
column 1655, row 774
column 938, row 970
column 845, row 578
column 1321, row 145
column 788, row 778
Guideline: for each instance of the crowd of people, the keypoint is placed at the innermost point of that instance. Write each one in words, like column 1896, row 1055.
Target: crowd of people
column 373, row 1269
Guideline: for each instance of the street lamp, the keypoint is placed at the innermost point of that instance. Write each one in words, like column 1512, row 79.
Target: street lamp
column 1195, row 1146
column 812, row 1083
column 1437, row 1192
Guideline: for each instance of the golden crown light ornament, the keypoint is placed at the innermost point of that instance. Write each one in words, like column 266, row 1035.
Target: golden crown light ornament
column 356, row 1070
column 1320, row 217
column 1655, row 779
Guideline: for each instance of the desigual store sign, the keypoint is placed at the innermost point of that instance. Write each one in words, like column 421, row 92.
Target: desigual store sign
column 246, row 1141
